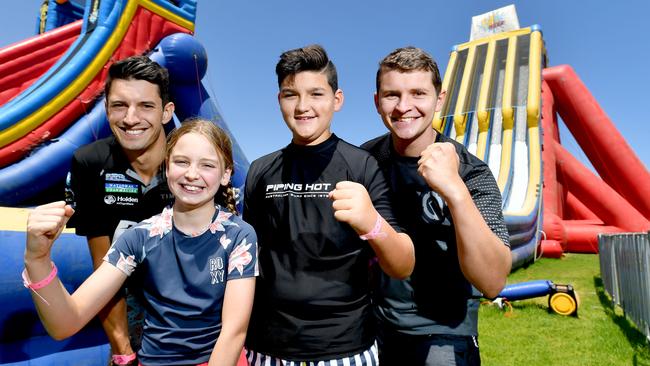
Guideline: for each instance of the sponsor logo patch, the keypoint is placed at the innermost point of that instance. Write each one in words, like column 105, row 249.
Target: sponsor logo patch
column 126, row 201
column 109, row 199
column 121, row 188
column 116, row 177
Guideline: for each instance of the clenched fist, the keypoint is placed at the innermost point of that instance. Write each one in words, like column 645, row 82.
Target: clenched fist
column 438, row 165
column 353, row 206
column 44, row 225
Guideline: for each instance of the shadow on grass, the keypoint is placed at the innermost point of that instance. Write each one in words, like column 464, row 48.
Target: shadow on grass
column 529, row 306
column 633, row 335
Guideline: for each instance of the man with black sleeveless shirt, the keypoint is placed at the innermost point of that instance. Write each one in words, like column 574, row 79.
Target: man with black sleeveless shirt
column 450, row 205
column 321, row 210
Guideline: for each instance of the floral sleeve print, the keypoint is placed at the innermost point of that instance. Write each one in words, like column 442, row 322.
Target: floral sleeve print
column 224, row 241
column 240, row 257
column 222, row 220
column 126, row 264
column 128, row 250
column 161, row 224
column 117, row 255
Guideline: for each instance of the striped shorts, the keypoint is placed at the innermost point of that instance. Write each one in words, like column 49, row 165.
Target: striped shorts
column 365, row 358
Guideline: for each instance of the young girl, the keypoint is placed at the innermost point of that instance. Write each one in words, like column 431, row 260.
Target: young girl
column 196, row 262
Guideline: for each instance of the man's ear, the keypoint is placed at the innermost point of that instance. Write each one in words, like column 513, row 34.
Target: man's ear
column 376, row 98
column 168, row 112
column 441, row 100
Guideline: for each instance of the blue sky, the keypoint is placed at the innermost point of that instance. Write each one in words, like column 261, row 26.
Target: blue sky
column 606, row 43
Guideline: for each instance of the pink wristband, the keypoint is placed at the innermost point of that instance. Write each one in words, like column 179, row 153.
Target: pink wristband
column 375, row 232
column 123, row 359
column 42, row 283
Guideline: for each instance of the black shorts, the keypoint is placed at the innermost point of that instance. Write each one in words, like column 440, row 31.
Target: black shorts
column 397, row 349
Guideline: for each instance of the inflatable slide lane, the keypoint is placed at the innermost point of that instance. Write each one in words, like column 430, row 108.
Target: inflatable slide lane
column 493, row 108
column 503, row 104
column 51, row 103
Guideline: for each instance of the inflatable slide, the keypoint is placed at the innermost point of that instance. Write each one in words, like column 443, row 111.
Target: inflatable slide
column 503, row 104
column 51, row 103
column 492, row 106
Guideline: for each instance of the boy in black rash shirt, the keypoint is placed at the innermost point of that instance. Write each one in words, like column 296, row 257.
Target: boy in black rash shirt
column 312, row 204
column 450, row 205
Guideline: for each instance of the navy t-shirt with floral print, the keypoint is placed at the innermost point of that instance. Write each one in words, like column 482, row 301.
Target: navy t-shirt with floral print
column 183, row 279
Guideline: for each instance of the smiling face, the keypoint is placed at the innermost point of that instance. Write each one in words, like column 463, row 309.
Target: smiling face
column 406, row 102
column 136, row 115
column 308, row 103
column 195, row 171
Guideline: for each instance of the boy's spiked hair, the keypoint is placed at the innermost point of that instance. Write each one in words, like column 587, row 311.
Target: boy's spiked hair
column 308, row 58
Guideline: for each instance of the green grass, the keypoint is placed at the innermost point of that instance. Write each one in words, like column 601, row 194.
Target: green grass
column 531, row 335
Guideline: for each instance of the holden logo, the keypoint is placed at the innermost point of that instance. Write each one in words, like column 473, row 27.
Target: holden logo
column 109, row 199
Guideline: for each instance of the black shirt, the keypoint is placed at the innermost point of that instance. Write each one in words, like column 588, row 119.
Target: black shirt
column 312, row 297
column 107, row 193
column 436, row 298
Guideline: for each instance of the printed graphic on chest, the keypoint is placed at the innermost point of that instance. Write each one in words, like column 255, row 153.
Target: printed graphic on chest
column 434, row 209
column 299, row 190
column 216, row 270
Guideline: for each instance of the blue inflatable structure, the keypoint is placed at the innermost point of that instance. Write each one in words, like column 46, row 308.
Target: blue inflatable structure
column 107, row 31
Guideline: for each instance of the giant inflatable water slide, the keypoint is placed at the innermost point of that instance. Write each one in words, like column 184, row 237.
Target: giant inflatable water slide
column 51, row 103
column 503, row 104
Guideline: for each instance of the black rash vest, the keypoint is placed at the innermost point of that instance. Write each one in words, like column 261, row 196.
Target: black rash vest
column 312, row 299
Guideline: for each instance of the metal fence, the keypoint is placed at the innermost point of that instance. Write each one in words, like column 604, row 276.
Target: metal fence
column 625, row 269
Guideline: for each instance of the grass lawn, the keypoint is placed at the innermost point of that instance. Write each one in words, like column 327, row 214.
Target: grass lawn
column 531, row 335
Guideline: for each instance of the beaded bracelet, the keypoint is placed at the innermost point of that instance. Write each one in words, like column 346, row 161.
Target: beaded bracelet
column 40, row 284
column 376, row 230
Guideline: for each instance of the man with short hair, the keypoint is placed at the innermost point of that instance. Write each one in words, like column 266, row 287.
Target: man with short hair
column 118, row 181
column 321, row 210
column 450, row 205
